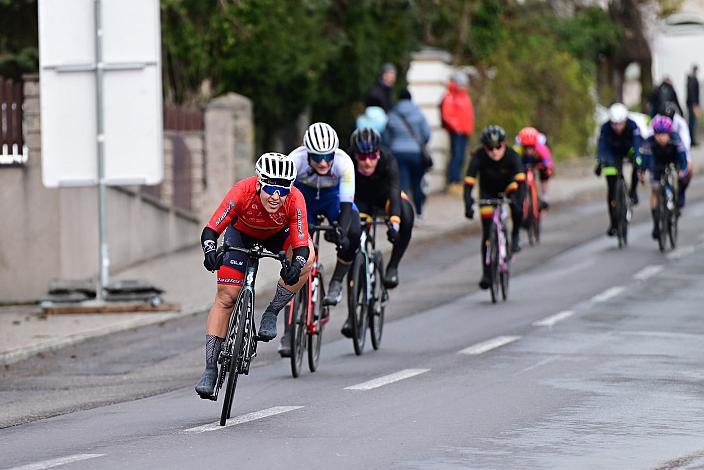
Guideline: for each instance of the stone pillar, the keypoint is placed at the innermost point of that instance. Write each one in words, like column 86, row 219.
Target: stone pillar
column 427, row 81
column 229, row 148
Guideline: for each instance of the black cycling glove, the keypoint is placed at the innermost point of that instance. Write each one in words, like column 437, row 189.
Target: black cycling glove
column 208, row 240
column 291, row 270
column 597, row 169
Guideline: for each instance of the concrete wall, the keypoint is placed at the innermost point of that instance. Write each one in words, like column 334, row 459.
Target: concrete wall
column 229, row 144
column 52, row 233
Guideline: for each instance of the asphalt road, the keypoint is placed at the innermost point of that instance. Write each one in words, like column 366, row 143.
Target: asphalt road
column 594, row 362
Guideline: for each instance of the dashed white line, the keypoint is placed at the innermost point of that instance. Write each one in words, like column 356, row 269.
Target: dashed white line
column 681, row 252
column 552, row 319
column 387, row 379
column 57, row 462
column 488, row 345
column 608, row 294
column 276, row 410
column 648, row 272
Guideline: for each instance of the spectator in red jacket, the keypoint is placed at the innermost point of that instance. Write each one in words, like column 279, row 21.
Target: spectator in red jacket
column 458, row 118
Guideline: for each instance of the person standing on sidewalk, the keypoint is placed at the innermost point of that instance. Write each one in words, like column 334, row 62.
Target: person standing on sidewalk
column 693, row 108
column 406, row 133
column 264, row 209
column 382, row 91
column 457, row 115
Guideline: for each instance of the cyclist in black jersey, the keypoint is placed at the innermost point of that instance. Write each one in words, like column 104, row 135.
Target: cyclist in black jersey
column 378, row 191
column 500, row 171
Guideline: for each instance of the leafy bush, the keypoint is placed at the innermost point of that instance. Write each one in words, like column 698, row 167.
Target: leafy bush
column 537, row 84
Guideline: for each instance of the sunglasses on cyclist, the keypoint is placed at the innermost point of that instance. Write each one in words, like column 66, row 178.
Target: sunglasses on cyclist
column 367, row 156
column 491, row 148
column 320, row 158
column 271, row 189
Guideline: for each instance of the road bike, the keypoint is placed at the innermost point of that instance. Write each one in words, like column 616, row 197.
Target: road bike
column 366, row 295
column 668, row 212
column 240, row 345
column 532, row 210
column 498, row 252
column 623, row 209
column 307, row 315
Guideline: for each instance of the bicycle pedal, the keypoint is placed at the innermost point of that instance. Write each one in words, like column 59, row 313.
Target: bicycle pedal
column 263, row 340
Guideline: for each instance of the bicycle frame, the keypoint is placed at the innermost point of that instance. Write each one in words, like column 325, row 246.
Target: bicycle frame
column 532, row 194
column 499, row 223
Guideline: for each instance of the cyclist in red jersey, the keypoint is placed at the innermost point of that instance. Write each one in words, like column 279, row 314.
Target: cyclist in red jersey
column 265, row 209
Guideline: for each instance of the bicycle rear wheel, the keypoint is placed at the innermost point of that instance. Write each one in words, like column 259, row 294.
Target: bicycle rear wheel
column 235, row 336
column 316, row 339
column 530, row 223
column 494, row 264
column 376, row 313
column 357, row 302
column 298, row 330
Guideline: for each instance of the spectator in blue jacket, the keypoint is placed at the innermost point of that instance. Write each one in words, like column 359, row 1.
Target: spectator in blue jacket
column 406, row 132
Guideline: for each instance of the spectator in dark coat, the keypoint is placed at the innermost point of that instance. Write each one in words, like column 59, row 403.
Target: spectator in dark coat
column 662, row 94
column 406, row 130
column 381, row 91
column 693, row 108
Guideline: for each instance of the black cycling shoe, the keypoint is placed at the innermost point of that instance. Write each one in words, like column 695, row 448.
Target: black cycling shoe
column 611, row 232
column 655, row 233
column 485, row 282
column 347, row 329
column 391, row 278
column 634, row 198
column 267, row 328
column 544, row 205
column 515, row 244
column 285, row 346
column 334, row 294
column 206, row 385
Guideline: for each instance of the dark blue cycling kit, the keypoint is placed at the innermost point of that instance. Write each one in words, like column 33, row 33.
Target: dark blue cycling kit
column 657, row 157
column 613, row 147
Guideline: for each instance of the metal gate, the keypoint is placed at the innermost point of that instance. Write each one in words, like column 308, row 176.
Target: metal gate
column 13, row 150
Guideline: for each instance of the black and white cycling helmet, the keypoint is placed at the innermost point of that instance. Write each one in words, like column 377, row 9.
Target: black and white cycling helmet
column 276, row 166
column 493, row 136
column 321, row 139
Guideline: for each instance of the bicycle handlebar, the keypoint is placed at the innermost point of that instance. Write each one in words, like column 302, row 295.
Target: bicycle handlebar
column 257, row 251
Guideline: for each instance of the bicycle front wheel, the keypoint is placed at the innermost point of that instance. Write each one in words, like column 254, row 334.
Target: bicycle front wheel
column 504, row 273
column 235, row 339
column 494, row 263
column 298, row 330
column 376, row 313
column 357, row 302
column 663, row 219
column 316, row 339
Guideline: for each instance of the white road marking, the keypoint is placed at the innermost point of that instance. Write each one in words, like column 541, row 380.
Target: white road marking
column 488, row 345
column 387, row 379
column 57, row 462
column 276, row 410
column 681, row 252
column 608, row 294
column 552, row 319
column 536, row 365
column 648, row 272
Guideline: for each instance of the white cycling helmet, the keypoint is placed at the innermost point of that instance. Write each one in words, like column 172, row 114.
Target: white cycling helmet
column 272, row 165
column 618, row 113
column 321, row 139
